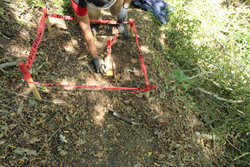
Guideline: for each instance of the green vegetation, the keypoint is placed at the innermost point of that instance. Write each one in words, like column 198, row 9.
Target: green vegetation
column 34, row 3
column 181, row 78
column 42, row 87
column 14, row 74
column 65, row 6
column 211, row 43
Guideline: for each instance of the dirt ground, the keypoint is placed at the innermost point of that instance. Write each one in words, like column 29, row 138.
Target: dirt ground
column 76, row 127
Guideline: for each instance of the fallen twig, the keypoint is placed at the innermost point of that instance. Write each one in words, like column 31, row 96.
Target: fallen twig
column 232, row 145
column 201, row 74
column 5, row 72
column 9, row 64
column 123, row 118
column 139, row 133
column 20, row 33
column 48, row 140
column 4, row 36
column 242, row 155
column 219, row 98
column 86, row 64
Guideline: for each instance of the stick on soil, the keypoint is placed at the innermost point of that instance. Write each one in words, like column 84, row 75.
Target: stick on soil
column 125, row 119
column 122, row 117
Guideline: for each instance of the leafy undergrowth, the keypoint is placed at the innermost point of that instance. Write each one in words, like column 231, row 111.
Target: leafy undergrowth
column 208, row 43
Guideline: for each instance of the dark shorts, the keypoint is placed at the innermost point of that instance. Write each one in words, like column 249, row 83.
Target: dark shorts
column 80, row 7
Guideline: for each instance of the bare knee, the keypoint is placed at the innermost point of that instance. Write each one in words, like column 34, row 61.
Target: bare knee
column 116, row 7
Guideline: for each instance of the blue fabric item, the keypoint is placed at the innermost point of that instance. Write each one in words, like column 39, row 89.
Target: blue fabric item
column 159, row 8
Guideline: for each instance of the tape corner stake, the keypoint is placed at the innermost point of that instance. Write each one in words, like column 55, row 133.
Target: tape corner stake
column 24, row 70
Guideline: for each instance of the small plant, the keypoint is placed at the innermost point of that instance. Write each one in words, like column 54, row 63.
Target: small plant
column 165, row 87
column 1, row 89
column 34, row 3
column 39, row 106
column 14, row 74
column 40, row 5
column 181, row 79
column 157, row 61
column 42, row 87
column 87, row 124
column 94, row 35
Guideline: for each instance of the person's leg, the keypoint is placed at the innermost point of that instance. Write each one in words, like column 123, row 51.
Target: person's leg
column 94, row 14
column 116, row 7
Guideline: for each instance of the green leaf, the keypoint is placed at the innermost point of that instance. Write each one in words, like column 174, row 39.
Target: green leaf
column 182, row 74
column 185, row 86
column 185, row 78
column 172, row 76
column 189, row 81
column 165, row 87
column 179, row 79
column 177, row 71
column 43, row 87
